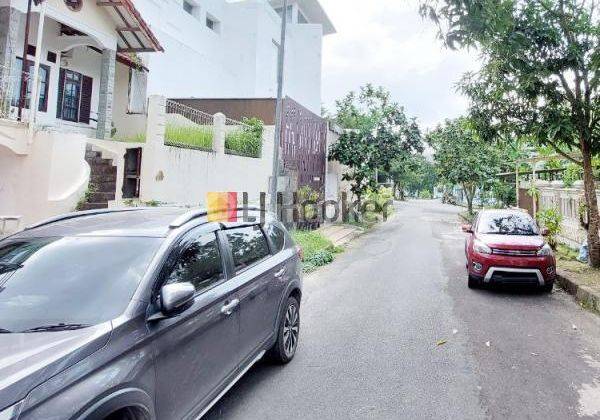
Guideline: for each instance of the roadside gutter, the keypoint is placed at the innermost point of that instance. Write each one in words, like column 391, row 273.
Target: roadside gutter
column 588, row 297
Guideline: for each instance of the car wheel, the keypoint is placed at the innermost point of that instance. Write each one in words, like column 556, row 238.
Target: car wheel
column 473, row 283
column 547, row 288
column 284, row 349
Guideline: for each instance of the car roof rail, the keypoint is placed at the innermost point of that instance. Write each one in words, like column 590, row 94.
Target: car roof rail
column 197, row 213
column 75, row 215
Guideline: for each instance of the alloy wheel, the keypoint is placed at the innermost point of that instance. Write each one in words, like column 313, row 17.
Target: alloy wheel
column 291, row 330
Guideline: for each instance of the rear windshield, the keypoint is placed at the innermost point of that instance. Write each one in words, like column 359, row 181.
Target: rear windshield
column 69, row 280
column 507, row 224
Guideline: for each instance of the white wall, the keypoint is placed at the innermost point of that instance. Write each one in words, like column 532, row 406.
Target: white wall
column 184, row 176
column 48, row 181
column 238, row 62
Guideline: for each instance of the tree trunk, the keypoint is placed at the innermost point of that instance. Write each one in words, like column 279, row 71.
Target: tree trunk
column 592, row 205
column 469, row 193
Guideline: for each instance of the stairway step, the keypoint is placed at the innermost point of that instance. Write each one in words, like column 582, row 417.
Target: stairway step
column 105, row 186
column 91, row 154
column 103, row 169
column 93, row 206
column 101, row 178
column 101, row 197
column 99, row 160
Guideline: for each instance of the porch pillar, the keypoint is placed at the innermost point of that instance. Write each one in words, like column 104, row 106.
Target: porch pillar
column 107, row 85
column 10, row 19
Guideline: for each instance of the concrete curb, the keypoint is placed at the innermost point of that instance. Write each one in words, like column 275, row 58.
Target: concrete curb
column 586, row 296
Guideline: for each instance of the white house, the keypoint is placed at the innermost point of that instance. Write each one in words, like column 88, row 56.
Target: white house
column 228, row 49
column 89, row 84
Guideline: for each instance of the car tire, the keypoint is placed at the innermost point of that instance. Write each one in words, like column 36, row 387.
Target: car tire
column 288, row 334
column 473, row 283
column 548, row 287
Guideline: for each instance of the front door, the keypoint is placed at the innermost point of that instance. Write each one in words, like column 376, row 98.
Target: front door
column 196, row 351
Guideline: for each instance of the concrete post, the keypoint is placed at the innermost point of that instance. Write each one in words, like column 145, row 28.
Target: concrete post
column 10, row 19
column 151, row 173
column 219, row 124
column 107, row 86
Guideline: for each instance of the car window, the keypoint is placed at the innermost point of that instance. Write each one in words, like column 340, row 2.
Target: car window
column 248, row 246
column 199, row 263
column 69, row 280
column 507, row 224
column 277, row 237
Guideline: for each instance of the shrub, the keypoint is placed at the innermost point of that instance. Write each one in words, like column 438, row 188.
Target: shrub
column 248, row 140
column 572, row 173
column 551, row 219
column 318, row 250
column 380, row 197
column 425, row 195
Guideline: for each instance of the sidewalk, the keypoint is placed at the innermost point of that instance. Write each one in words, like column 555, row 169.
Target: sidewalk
column 340, row 235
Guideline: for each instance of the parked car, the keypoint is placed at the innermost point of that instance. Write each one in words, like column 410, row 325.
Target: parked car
column 141, row 314
column 508, row 247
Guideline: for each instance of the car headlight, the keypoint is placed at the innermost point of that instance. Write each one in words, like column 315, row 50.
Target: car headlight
column 481, row 248
column 11, row 413
column 545, row 251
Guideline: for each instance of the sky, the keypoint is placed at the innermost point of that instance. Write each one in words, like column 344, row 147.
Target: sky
column 387, row 43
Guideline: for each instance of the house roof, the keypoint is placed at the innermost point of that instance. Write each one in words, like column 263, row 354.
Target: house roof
column 134, row 33
column 314, row 13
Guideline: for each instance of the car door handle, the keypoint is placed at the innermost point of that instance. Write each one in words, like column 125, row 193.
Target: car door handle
column 230, row 307
column 280, row 273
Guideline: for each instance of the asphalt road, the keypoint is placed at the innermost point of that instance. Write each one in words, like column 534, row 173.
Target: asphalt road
column 371, row 322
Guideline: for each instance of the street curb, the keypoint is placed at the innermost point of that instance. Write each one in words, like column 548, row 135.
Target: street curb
column 587, row 297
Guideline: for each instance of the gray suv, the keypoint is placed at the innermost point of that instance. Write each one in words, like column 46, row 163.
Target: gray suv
column 141, row 313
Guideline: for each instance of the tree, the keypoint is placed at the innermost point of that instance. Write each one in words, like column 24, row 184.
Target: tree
column 540, row 74
column 463, row 158
column 412, row 174
column 379, row 132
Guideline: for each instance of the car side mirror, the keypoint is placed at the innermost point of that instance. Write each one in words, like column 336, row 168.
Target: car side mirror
column 175, row 296
column 545, row 231
column 467, row 228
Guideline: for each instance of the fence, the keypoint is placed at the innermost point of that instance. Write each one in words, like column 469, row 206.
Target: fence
column 188, row 127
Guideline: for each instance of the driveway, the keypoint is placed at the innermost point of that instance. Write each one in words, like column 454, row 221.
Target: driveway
column 371, row 324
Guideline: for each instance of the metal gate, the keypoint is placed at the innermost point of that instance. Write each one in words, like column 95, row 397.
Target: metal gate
column 303, row 145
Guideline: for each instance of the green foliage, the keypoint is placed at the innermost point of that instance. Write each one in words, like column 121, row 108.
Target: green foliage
column 248, row 141
column 572, row 173
column 192, row 136
column 551, row 219
column 308, row 198
column 380, row 133
column 462, row 157
column 504, row 193
column 87, row 195
column 381, row 197
column 318, row 250
column 425, row 195
column 412, row 173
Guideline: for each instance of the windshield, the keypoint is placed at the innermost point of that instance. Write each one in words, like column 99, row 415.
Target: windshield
column 51, row 284
column 507, row 224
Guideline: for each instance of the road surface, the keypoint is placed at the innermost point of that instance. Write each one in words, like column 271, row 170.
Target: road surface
column 371, row 322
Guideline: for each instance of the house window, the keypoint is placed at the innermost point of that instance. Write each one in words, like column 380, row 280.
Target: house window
column 74, row 96
column 71, row 96
column 188, row 7
column 44, row 75
column 213, row 24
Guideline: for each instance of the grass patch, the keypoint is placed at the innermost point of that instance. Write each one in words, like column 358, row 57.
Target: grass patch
column 189, row 136
column 318, row 250
column 248, row 140
column 566, row 259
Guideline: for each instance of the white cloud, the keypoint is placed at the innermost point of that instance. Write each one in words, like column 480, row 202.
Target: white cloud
column 386, row 42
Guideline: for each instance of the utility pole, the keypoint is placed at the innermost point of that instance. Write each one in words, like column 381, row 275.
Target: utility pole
column 23, row 91
column 278, row 109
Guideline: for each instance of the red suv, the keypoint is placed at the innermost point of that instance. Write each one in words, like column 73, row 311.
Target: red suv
column 507, row 247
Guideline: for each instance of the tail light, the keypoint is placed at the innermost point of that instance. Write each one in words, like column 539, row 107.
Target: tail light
column 300, row 252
